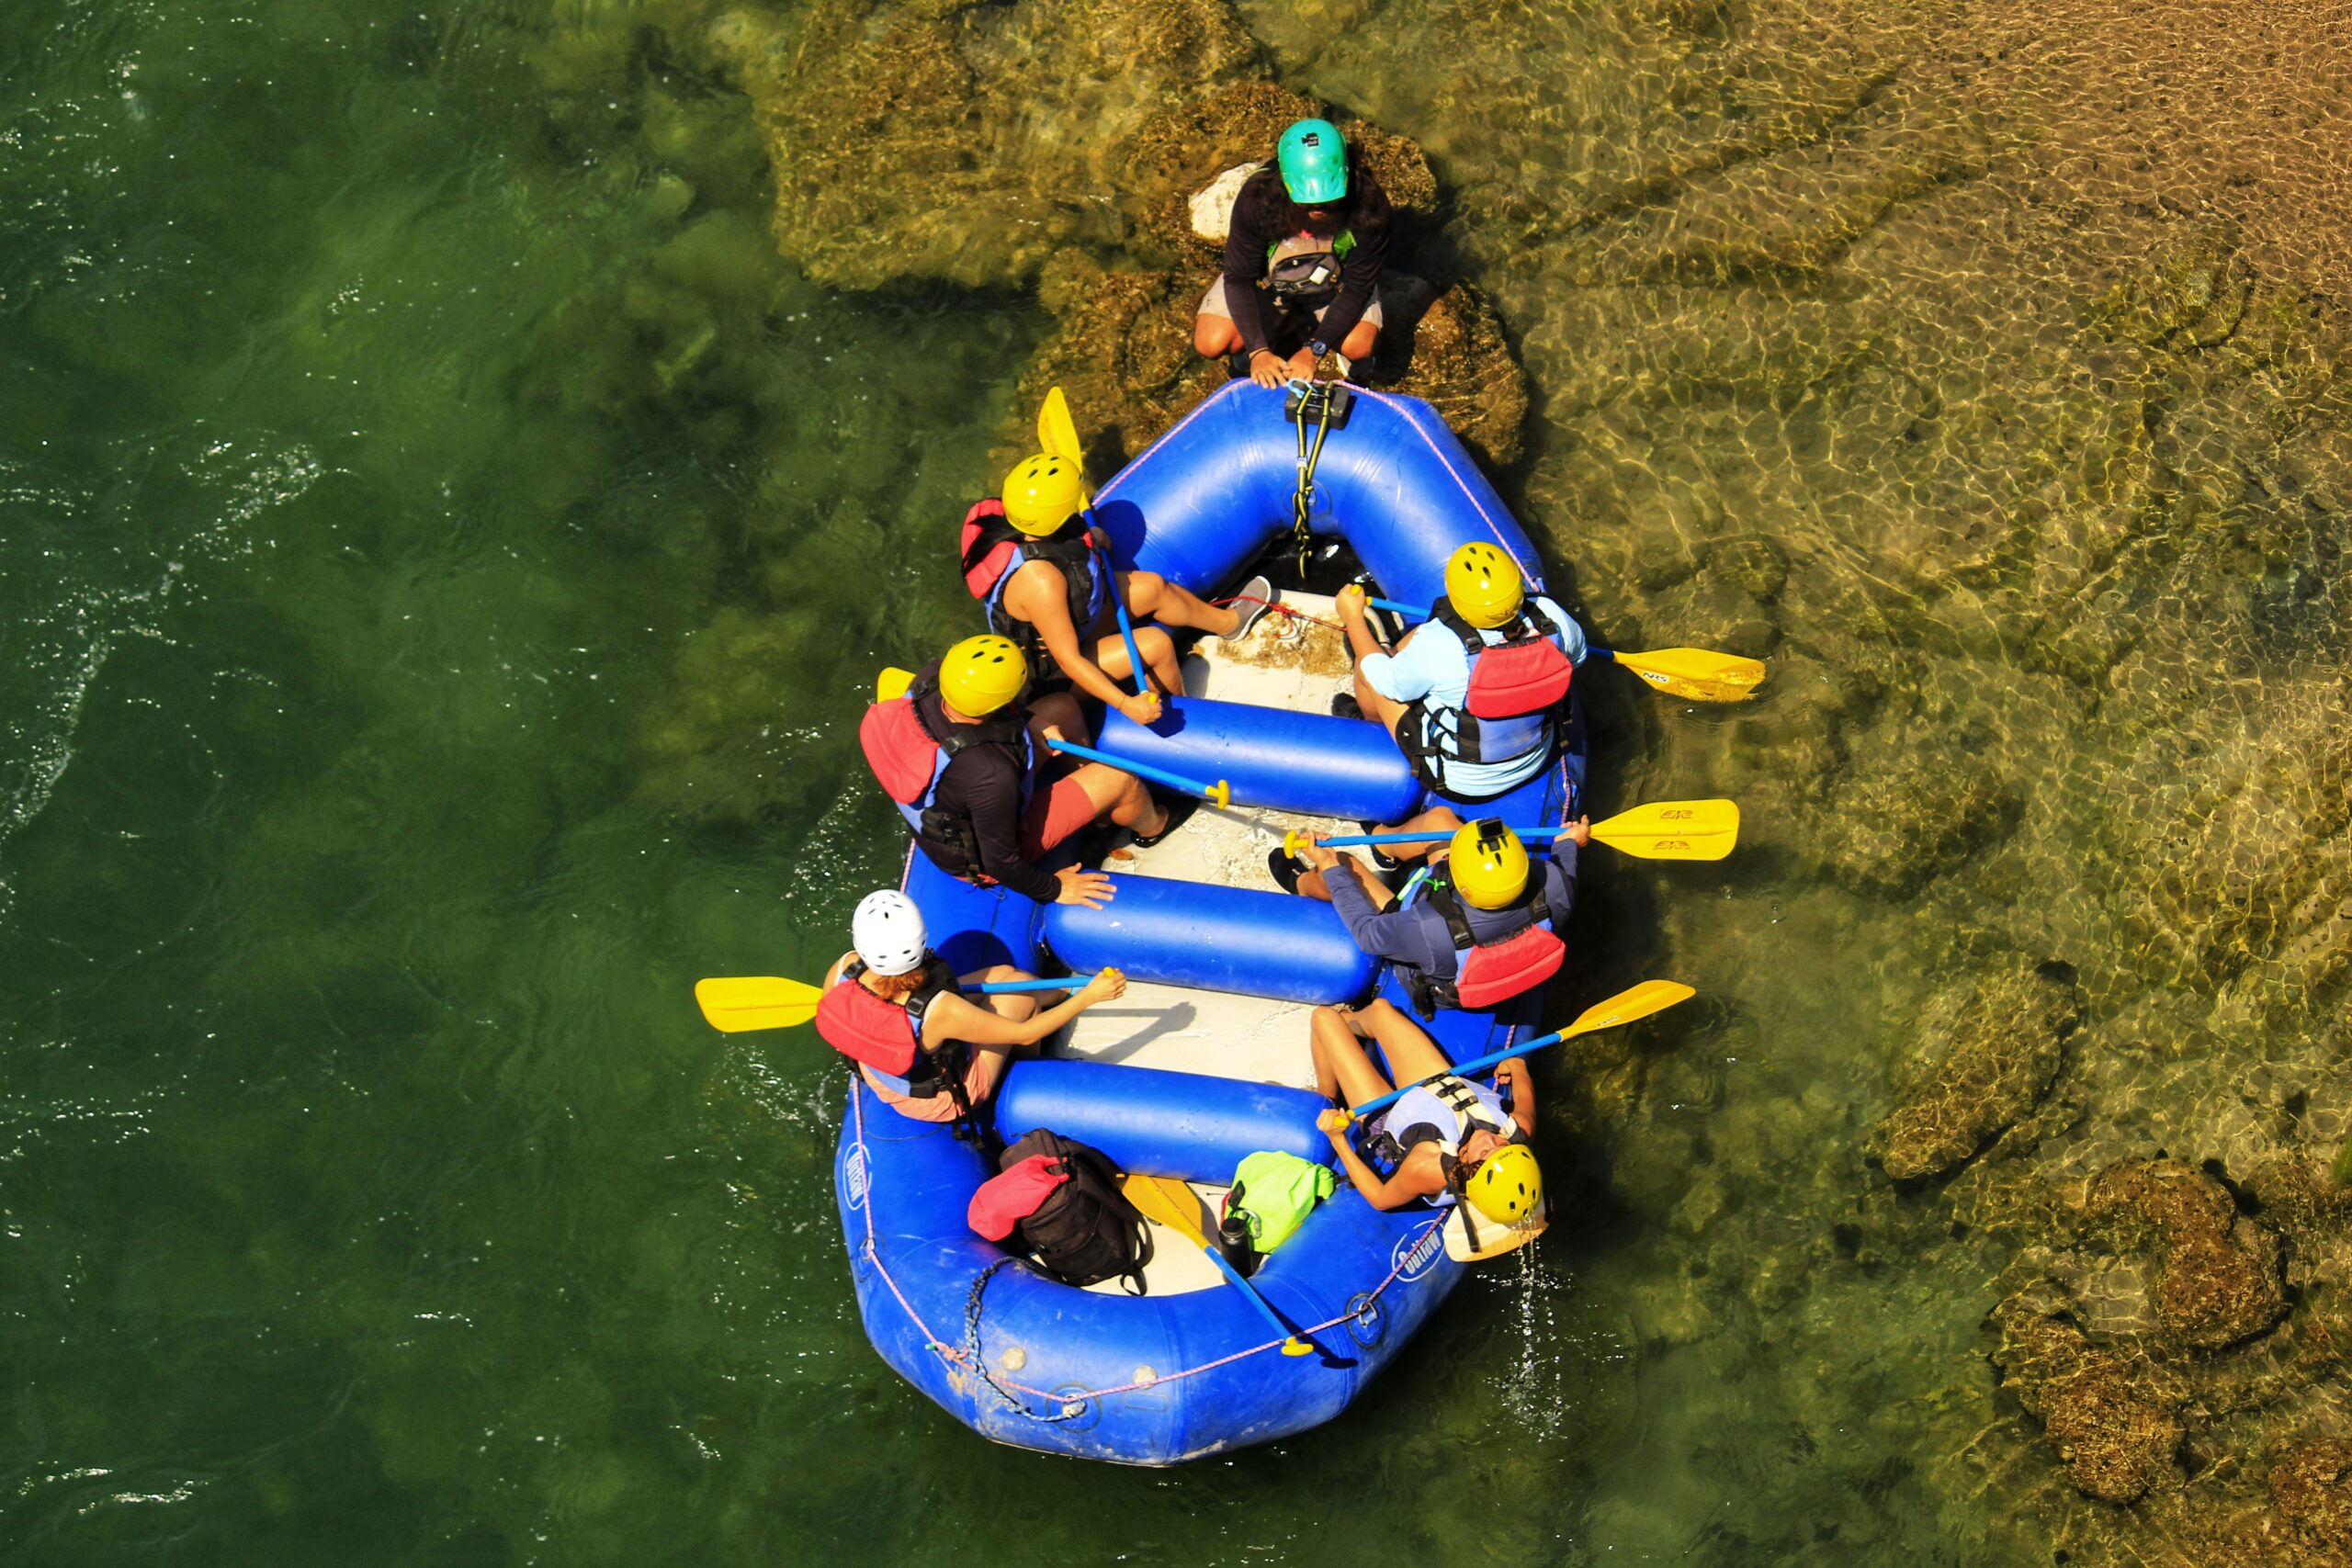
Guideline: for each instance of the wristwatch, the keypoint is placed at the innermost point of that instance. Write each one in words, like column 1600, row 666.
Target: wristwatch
column 1319, row 347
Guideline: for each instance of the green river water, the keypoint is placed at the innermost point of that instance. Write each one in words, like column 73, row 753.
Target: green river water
column 443, row 538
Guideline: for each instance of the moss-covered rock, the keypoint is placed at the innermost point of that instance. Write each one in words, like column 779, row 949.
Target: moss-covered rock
column 2311, row 1493
column 2116, row 1425
column 1989, row 1049
column 2218, row 1277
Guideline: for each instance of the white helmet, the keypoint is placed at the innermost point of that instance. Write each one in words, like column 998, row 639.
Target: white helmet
column 888, row 932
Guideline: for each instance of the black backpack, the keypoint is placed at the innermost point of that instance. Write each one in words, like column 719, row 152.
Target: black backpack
column 1085, row 1230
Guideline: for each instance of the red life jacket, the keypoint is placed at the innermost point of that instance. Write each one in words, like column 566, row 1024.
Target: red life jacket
column 994, row 550
column 1004, row 1201
column 1486, row 975
column 908, row 759
column 1514, row 686
column 887, row 1037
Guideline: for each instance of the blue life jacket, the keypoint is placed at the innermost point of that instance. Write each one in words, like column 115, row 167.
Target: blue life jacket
column 994, row 550
column 1519, row 677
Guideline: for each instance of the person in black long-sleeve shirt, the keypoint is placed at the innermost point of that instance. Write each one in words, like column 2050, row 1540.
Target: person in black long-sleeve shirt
column 959, row 752
column 1308, row 238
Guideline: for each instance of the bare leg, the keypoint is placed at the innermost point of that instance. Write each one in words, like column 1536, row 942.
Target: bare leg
column 1159, row 650
column 1311, row 885
column 1214, row 337
column 1062, row 712
column 1412, row 1055
column 1149, row 594
column 1122, row 799
column 1342, row 1071
column 1436, row 819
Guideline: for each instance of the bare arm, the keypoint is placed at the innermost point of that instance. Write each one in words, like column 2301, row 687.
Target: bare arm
column 1039, row 594
column 1514, row 1073
column 1411, row 1179
column 953, row 1018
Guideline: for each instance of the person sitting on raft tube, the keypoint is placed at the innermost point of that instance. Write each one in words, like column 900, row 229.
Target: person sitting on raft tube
column 1443, row 1140
column 1485, row 929
column 1046, row 579
column 1307, row 243
column 1473, row 696
column 895, row 1009
column 966, row 763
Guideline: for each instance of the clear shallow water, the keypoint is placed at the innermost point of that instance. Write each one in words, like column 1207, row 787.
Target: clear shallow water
column 441, row 541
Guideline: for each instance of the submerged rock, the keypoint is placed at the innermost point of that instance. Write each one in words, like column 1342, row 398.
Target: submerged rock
column 1989, row 1050
column 2218, row 1282
column 2116, row 1425
column 2311, row 1493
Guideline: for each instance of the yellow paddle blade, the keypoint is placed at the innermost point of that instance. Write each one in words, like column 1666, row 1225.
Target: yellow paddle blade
column 1674, row 829
column 1695, row 673
column 892, row 683
column 756, row 1001
column 1640, row 1001
column 1057, row 433
column 1168, row 1202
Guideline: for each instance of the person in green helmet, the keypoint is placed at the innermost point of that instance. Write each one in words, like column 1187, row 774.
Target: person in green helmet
column 1302, row 258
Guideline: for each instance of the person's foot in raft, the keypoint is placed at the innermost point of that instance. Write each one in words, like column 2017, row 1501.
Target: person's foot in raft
column 1305, row 243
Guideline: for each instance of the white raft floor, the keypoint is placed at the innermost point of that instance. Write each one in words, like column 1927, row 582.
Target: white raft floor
column 1181, row 1030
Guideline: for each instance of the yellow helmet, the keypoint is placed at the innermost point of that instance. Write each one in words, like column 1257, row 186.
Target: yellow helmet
column 1042, row 491
column 1507, row 1185
column 1488, row 864
column 1482, row 584
column 981, row 674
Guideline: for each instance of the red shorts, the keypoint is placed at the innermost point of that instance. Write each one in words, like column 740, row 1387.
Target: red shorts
column 1058, row 808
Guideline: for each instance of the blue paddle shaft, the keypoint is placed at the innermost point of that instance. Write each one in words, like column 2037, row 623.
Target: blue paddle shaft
column 1382, row 1102
column 1005, row 987
column 1247, row 1289
column 1426, row 838
column 1420, row 612
column 1141, row 770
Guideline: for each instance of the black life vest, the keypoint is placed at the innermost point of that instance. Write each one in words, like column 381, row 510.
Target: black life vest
column 1058, row 1200
column 1514, row 689
column 994, row 550
column 886, row 1038
column 909, row 756
column 1488, row 973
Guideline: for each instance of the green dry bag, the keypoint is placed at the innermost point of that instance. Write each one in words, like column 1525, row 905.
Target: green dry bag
column 1273, row 1194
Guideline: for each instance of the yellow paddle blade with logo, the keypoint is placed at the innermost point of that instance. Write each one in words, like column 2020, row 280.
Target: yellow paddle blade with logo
column 1168, row 1202
column 1698, row 674
column 1057, row 433
column 892, row 683
column 1637, row 1002
column 756, row 1001
column 1674, row 829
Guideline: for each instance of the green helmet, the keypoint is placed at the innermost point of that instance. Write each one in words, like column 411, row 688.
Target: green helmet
column 1314, row 162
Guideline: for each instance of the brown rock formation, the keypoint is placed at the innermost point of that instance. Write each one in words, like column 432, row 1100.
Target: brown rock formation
column 2218, row 1282
column 1989, row 1050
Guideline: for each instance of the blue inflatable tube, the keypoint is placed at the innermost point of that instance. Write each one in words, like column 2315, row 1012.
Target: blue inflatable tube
column 1276, row 758
column 1023, row 1359
column 1184, row 1124
column 1214, row 939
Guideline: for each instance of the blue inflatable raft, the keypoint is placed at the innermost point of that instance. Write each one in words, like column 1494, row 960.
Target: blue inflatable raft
column 1205, row 1060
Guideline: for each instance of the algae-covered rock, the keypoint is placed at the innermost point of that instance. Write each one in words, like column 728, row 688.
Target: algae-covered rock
column 2311, row 1493
column 2116, row 1425
column 1989, row 1049
column 969, row 141
column 2219, row 1276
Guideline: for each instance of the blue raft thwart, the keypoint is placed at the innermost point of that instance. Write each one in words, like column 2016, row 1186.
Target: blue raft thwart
column 1160, row 1379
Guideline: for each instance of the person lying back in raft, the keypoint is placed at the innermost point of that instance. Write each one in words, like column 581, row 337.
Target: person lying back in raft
column 894, row 1008
column 1046, row 579
column 1485, row 929
column 1307, row 242
column 1476, row 695
column 967, row 764
column 1442, row 1140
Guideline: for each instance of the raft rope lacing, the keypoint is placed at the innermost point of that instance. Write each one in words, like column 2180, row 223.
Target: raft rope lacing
column 1069, row 1402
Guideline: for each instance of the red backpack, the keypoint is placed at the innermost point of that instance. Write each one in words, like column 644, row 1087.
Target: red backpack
column 1488, row 975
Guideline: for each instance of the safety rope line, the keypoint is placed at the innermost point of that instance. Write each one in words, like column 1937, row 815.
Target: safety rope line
column 1073, row 1400
column 1302, row 500
column 1278, row 607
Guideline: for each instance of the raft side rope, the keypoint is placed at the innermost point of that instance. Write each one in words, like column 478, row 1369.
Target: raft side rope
column 1068, row 1404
